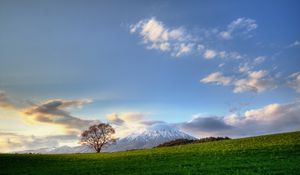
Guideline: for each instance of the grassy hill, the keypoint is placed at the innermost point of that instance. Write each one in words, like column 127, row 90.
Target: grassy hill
column 270, row 154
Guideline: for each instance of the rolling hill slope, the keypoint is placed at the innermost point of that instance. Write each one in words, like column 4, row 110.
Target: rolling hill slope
column 271, row 154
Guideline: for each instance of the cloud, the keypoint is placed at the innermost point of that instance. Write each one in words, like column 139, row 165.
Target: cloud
column 126, row 123
column 5, row 102
column 156, row 35
column 178, row 41
column 257, row 81
column 209, row 54
column 130, row 122
column 230, row 55
column 206, row 124
column 55, row 112
column 221, row 65
column 294, row 44
column 259, row 60
column 10, row 142
column 114, row 118
column 294, row 81
column 183, row 49
column 268, row 119
column 218, row 78
column 225, row 35
column 238, row 27
column 244, row 68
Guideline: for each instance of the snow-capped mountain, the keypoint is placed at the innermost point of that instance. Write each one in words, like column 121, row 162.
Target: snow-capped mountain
column 151, row 137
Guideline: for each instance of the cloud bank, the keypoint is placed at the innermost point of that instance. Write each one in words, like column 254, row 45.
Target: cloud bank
column 272, row 118
column 11, row 142
column 178, row 41
column 54, row 113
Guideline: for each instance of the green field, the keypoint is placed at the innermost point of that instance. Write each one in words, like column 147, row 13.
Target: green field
column 271, row 154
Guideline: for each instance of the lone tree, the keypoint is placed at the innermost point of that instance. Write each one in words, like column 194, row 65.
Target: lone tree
column 97, row 136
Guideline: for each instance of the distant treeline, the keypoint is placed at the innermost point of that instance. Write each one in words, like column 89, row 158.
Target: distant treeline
column 187, row 141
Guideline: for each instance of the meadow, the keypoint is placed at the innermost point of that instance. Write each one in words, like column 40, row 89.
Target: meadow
column 270, row 154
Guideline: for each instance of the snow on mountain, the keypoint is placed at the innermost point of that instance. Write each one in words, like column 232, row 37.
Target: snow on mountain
column 151, row 137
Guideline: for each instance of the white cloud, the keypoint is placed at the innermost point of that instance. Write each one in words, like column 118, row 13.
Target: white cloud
column 225, row 35
column 294, row 81
column 179, row 42
column 10, row 142
column 282, row 117
column 230, row 55
column 244, row 68
column 128, row 123
column 294, row 44
column 268, row 119
column 165, row 46
column 218, row 78
column 221, row 65
column 200, row 48
column 154, row 31
column 257, row 81
column 183, row 49
column 235, row 55
column 210, row 54
column 259, row 60
column 240, row 26
column 157, row 36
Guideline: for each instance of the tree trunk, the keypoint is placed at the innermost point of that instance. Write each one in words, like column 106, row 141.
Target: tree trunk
column 98, row 150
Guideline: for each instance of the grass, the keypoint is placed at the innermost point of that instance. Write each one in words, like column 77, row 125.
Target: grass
column 271, row 154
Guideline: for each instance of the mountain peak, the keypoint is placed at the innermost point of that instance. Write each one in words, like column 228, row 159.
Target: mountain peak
column 154, row 135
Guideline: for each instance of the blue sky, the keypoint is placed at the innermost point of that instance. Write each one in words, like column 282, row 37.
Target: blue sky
column 104, row 52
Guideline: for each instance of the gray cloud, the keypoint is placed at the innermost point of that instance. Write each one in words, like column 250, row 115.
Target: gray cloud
column 55, row 111
column 5, row 102
column 115, row 119
column 269, row 119
column 206, row 124
column 51, row 111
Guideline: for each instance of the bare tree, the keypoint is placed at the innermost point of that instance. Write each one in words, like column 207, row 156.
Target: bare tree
column 97, row 136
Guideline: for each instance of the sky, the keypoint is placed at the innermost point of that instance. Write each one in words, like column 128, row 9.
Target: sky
column 209, row 68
